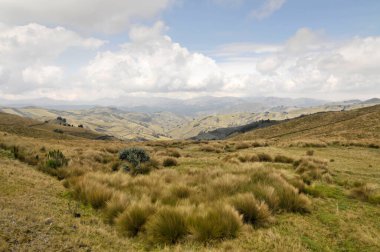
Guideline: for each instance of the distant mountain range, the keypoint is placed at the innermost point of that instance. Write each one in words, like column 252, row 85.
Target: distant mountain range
column 188, row 107
column 134, row 118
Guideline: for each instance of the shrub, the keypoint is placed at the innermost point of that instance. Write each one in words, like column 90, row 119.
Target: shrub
column 220, row 222
column 263, row 157
column 169, row 162
column 283, row 159
column 253, row 212
column 56, row 159
column 167, row 226
column 135, row 156
column 133, row 219
column 144, row 168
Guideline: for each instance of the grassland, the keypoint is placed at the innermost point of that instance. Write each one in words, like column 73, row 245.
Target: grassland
column 258, row 195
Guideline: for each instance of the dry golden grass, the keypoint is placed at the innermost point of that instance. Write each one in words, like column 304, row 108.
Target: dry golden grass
column 202, row 180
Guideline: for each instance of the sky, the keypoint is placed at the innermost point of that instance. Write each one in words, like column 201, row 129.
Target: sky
column 97, row 49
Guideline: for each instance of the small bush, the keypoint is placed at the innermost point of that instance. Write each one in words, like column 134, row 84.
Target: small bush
column 56, row 159
column 135, row 156
column 133, row 219
column 167, row 226
column 283, row 159
column 218, row 223
column 263, row 157
column 253, row 212
column 169, row 162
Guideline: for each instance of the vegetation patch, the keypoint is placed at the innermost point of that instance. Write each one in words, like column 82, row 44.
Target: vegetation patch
column 367, row 192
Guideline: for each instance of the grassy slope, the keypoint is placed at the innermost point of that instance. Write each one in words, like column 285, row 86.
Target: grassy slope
column 359, row 124
column 32, row 128
column 35, row 216
column 162, row 125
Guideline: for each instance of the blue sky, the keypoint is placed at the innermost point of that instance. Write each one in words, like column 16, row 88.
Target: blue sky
column 203, row 25
column 90, row 50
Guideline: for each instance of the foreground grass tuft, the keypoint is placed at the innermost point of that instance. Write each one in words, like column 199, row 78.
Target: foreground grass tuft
column 217, row 223
column 253, row 212
column 133, row 219
column 367, row 192
column 167, row 226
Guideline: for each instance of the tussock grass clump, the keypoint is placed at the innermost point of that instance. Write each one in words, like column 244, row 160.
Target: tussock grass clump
column 180, row 191
column 367, row 192
column 173, row 153
column 310, row 152
column 114, row 208
column 208, row 148
column 254, row 212
column 278, row 193
column 217, row 223
column 283, row 159
column 254, row 158
column 312, row 169
column 168, row 162
column 91, row 192
column 167, row 226
column 264, row 157
column 241, row 146
column 244, row 158
column 132, row 221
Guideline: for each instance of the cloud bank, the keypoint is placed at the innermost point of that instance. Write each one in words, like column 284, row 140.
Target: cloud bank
column 150, row 63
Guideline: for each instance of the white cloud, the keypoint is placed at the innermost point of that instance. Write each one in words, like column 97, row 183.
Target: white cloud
column 28, row 55
column 152, row 62
column 268, row 8
column 307, row 64
column 42, row 75
column 94, row 15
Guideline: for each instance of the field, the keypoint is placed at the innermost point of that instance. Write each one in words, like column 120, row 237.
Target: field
column 255, row 195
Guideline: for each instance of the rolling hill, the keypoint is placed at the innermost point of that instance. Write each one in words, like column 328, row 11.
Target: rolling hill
column 131, row 124
column 32, row 128
column 358, row 124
